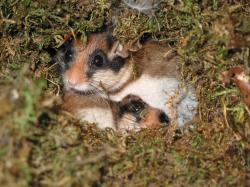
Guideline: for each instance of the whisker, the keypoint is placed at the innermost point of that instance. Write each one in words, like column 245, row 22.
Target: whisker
column 100, row 93
column 103, row 80
column 129, row 118
column 97, row 89
column 102, row 85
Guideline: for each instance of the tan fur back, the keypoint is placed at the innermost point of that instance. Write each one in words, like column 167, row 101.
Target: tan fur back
column 152, row 60
column 72, row 102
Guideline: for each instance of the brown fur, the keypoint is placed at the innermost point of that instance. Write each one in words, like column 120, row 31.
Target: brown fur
column 150, row 60
column 72, row 102
column 77, row 71
column 150, row 119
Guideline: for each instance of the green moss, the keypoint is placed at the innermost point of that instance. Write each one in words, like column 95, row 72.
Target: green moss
column 62, row 151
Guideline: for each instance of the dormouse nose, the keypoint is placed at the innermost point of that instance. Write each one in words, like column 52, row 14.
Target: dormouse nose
column 74, row 77
column 163, row 118
column 72, row 82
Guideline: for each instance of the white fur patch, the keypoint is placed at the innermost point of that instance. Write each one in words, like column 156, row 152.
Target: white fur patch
column 157, row 91
column 186, row 109
column 107, row 79
column 111, row 80
column 103, row 117
column 79, row 87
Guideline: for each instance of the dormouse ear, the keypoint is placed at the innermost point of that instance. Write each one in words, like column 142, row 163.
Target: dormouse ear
column 67, row 43
column 136, row 44
column 72, row 35
column 69, row 40
column 118, row 50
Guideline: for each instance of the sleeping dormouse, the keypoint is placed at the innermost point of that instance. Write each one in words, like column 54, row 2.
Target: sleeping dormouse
column 131, row 113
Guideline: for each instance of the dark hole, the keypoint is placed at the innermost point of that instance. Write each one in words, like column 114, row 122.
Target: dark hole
column 51, row 50
column 144, row 37
column 44, row 120
column 232, row 52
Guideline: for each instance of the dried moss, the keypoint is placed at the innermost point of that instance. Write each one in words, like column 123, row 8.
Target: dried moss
column 39, row 145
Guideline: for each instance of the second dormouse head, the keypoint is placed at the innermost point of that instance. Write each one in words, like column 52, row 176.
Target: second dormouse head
column 100, row 64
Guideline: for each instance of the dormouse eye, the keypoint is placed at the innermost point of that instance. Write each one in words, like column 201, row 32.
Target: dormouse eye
column 68, row 55
column 98, row 61
column 136, row 107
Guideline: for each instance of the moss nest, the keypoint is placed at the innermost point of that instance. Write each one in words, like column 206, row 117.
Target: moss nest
column 41, row 146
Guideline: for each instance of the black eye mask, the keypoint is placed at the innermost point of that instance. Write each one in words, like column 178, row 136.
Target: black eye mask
column 117, row 63
column 134, row 107
column 98, row 61
column 144, row 37
column 66, row 53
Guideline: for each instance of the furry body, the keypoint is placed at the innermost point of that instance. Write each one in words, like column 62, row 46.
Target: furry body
column 106, row 68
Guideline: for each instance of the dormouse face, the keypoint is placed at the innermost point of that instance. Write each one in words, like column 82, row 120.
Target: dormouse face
column 99, row 65
column 136, row 114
